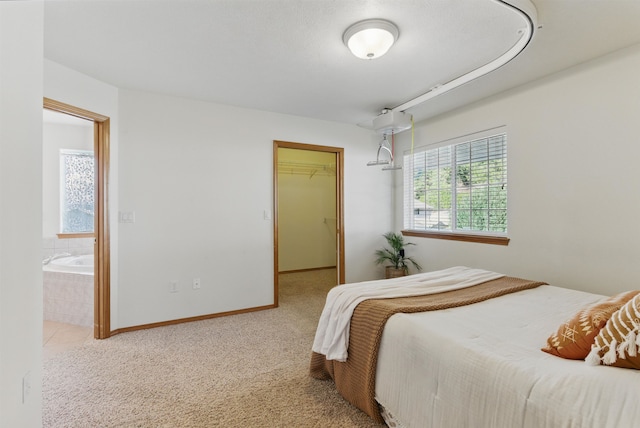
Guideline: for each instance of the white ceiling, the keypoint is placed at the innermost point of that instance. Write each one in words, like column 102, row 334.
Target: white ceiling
column 287, row 56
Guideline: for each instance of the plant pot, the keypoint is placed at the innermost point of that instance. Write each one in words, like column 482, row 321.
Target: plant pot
column 391, row 272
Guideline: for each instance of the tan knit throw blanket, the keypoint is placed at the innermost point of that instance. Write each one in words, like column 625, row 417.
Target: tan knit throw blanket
column 355, row 378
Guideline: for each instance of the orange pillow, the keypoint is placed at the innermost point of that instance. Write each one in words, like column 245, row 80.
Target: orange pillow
column 574, row 338
column 618, row 343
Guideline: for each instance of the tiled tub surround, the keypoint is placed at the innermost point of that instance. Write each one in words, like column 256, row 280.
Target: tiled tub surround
column 51, row 246
column 68, row 297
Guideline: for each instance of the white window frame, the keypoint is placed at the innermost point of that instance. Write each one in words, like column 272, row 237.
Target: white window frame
column 63, row 203
column 453, row 232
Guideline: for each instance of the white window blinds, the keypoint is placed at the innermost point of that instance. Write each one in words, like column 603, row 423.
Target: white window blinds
column 460, row 187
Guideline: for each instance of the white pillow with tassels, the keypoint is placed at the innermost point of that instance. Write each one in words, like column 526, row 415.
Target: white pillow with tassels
column 618, row 343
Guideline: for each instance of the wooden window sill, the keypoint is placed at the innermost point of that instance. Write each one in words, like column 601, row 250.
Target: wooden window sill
column 451, row 236
column 75, row 235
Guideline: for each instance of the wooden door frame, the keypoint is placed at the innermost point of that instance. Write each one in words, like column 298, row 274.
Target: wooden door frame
column 339, row 152
column 101, row 253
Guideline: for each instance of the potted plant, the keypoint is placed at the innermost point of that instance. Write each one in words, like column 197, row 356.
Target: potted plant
column 396, row 256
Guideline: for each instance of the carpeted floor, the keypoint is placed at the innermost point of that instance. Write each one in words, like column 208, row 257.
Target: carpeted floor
column 248, row 370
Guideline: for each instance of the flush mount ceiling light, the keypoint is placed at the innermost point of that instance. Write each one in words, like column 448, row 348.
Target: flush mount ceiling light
column 371, row 38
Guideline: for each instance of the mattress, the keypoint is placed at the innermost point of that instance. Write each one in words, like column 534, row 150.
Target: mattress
column 481, row 366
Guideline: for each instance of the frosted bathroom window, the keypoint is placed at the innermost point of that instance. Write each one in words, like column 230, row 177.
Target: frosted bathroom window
column 77, row 189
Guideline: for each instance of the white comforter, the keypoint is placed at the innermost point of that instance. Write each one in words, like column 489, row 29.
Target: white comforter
column 480, row 366
column 332, row 334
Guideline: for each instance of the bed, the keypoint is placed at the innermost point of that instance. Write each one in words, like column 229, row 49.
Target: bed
column 481, row 365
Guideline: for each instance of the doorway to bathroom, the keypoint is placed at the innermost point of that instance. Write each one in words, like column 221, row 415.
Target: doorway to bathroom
column 75, row 228
column 308, row 217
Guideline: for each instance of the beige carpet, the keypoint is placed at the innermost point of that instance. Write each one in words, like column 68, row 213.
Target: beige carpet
column 246, row 370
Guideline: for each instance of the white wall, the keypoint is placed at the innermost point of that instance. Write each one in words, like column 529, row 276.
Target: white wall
column 573, row 187
column 21, row 46
column 55, row 137
column 68, row 86
column 198, row 177
column 172, row 146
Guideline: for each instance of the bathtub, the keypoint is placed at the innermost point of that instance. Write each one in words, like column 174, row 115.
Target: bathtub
column 82, row 265
column 67, row 284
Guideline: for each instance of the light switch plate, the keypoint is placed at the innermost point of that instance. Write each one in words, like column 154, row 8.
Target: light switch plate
column 127, row 216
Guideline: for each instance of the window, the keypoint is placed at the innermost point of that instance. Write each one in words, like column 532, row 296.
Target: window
column 458, row 188
column 76, row 191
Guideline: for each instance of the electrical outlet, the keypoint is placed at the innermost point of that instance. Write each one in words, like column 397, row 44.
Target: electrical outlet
column 173, row 287
column 196, row 283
